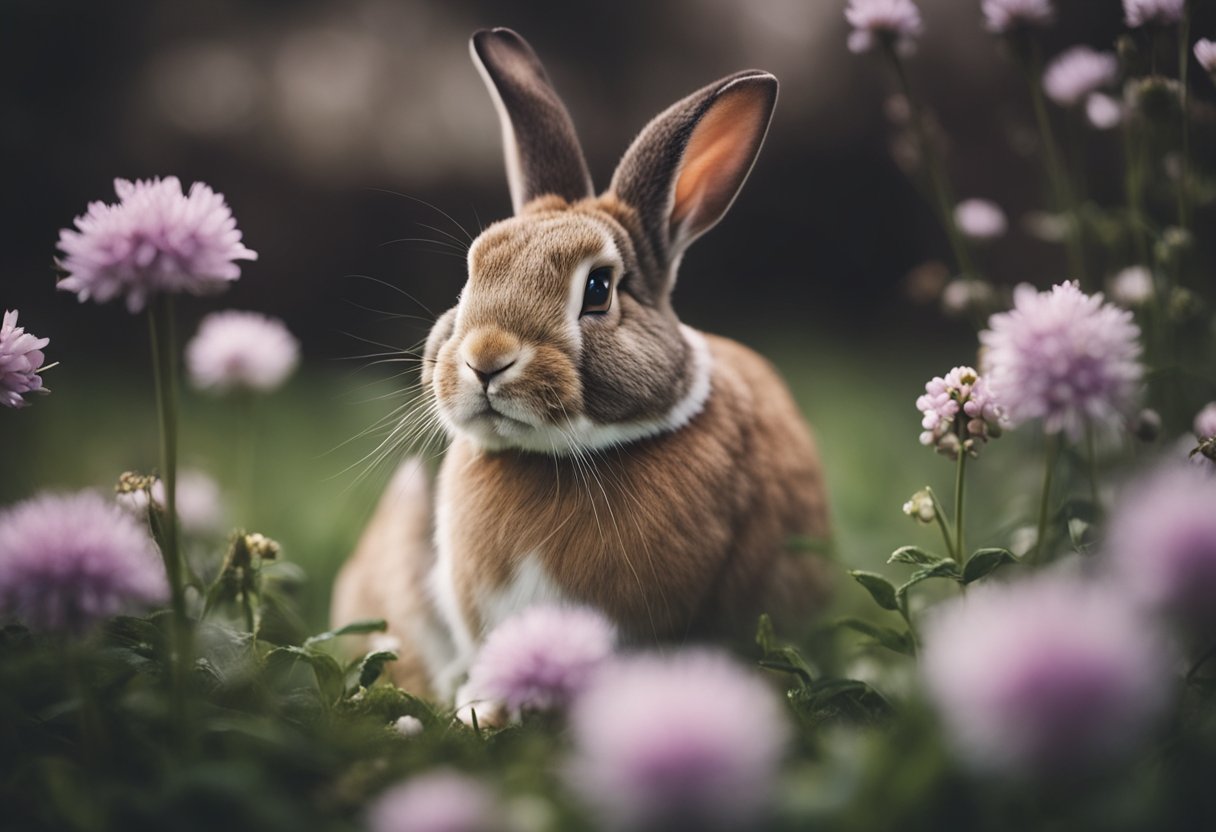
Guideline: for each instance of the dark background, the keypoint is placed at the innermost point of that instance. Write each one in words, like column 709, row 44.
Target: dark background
column 314, row 119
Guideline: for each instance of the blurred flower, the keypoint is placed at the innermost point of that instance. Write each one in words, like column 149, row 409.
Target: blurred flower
column 1103, row 112
column 1064, row 357
column 980, row 219
column 1132, row 286
column 967, row 297
column 960, row 413
column 1005, row 15
column 68, row 561
column 243, row 350
column 154, row 239
column 1043, row 675
column 1045, row 226
column 1147, row 425
column 408, row 726
column 1161, row 12
column 1077, row 72
column 684, row 740
column 1205, row 53
column 924, row 283
column 439, row 801
column 541, row 659
column 874, row 21
column 920, row 507
column 1205, row 422
column 20, row 360
column 1162, row 544
column 200, row 506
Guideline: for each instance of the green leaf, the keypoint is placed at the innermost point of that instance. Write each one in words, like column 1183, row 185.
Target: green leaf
column 368, row 669
column 330, row 678
column 984, row 561
column 833, row 699
column 882, row 636
column 880, row 589
column 780, row 657
column 915, row 556
column 944, row 569
column 375, row 625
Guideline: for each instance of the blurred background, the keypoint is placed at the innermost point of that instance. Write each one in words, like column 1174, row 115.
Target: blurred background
column 353, row 140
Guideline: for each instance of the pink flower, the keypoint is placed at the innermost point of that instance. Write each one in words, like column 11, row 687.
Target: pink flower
column 1205, row 53
column 683, row 740
column 980, row 219
column 1043, row 677
column 439, row 801
column 154, row 239
column 20, row 360
column 1065, row 357
column 241, row 350
column 1160, row 12
column 875, row 20
column 1132, row 286
column 1077, row 72
column 1103, row 112
column 1205, row 422
column 541, row 658
column 960, row 413
column 1162, row 544
column 1005, row 15
column 69, row 561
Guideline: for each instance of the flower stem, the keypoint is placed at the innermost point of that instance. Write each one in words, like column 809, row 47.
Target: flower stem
column 1092, row 460
column 940, row 516
column 164, row 369
column 1053, row 450
column 960, row 473
column 1056, row 175
column 938, row 182
column 1184, row 55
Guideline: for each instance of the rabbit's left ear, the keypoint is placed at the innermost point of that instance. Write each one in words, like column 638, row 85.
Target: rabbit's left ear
column 542, row 150
column 683, row 171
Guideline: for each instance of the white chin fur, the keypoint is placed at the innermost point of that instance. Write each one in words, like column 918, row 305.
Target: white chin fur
column 580, row 432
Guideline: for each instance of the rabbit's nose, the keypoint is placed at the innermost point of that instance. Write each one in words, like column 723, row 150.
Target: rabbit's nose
column 489, row 353
column 486, row 376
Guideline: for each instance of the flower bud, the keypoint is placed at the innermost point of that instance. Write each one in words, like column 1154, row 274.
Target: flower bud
column 920, row 507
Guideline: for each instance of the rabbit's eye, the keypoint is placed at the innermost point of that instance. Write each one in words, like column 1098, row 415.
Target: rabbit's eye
column 597, row 297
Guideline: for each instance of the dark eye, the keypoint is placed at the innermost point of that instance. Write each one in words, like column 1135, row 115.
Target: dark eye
column 597, row 297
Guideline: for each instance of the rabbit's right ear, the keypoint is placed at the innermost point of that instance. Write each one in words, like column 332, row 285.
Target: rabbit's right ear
column 541, row 148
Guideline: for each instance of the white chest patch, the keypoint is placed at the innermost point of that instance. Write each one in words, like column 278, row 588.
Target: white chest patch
column 529, row 585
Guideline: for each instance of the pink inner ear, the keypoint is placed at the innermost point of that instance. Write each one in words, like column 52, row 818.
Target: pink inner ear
column 717, row 159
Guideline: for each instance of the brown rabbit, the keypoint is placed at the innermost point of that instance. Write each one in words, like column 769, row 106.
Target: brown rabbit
column 602, row 453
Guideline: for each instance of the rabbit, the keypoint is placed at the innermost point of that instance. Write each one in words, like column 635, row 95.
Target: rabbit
column 601, row 452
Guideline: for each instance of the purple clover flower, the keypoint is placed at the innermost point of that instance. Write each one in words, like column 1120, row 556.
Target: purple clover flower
column 1158, row 12
column 1205, row 422
column 154, row 239
column 1162, row 544
column 69, row 561
column 1205, row 53
column 1065, row 357
column 686, row 738
column 1103, row 112
column 438, row 801
column 541, row 659
column 876, row 20
column 20, row 360
column 1043, row 677
column 1004, row 16
column 1077, row 72
column 241, row 350
column 960, row 413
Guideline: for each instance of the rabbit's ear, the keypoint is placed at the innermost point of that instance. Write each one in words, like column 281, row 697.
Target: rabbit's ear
column 542, row 150
column 685, row 168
